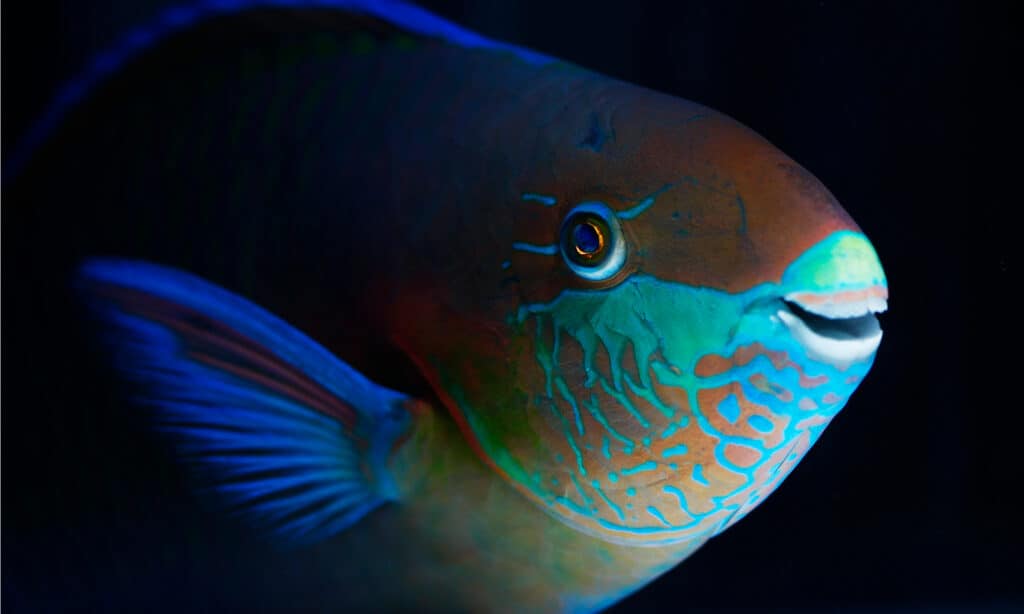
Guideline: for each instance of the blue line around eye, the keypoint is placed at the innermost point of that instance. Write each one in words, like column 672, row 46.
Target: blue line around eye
column 547, row 201
column 547, row 250
column 631, row 213
column 643, row 205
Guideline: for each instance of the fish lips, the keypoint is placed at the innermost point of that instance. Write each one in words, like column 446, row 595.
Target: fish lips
column 834, row 329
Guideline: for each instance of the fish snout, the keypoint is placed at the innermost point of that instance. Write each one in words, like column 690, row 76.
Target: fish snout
column 830, row 298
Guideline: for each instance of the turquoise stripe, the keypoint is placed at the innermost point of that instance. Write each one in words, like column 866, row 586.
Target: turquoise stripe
column 539, row 198
column 647, row 466
column 675, row 451
column 547, row 250
column 653, row 511
column 615, row 508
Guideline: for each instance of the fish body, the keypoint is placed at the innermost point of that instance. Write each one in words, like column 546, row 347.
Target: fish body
column 557, row 330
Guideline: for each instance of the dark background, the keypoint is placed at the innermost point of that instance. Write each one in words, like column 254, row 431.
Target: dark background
column 911, row 501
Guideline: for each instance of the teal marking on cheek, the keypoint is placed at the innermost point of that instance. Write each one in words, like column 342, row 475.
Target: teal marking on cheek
column 626, row 403
column 588, row 343
column 579, row 457
column 547, row 201
column 645, row 466
column 572, row 505
column 613, row 477
column 681, row 497
column 556, row 346
column 568, row 437
column 668, row 328
column 546, row 250
column 675, row 451
column 632, row 212
column 598, row 415
column 579, row 489
column 544, row 358
column 698, row 475
column 564, row 391
column 630, row 492
column 608, row 502
column 672, row 490
column 653, row 511
column 644, row 391
column 760, row 424
column 729, row 409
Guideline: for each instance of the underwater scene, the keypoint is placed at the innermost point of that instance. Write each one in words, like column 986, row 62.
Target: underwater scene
column 385, row 306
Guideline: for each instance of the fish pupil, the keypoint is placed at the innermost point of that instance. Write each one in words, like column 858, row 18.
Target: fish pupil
column 587, row 238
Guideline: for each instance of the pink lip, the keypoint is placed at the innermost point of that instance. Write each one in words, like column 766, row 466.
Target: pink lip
column 843, row 304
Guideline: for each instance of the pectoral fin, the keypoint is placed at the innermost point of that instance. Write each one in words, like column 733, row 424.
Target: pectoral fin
column 285, row 432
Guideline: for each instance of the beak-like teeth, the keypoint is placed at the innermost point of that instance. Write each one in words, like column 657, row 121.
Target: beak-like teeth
column 843, row 305
column 837, row 347
column 838, row 328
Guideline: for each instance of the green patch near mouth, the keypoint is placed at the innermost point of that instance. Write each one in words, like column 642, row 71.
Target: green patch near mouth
column 843, row 261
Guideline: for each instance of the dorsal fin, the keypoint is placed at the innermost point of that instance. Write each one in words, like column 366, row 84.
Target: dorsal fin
column 372, row 14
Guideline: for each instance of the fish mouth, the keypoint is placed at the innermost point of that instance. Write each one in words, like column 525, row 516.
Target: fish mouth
column 840, row 328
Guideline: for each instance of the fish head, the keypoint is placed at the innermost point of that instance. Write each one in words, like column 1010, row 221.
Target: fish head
column 693, row 310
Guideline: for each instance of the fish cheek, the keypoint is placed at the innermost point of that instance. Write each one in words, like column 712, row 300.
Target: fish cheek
column 615, row 449
column 631, row 414
column 695, row 234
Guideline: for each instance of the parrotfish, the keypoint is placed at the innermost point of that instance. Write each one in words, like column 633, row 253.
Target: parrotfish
column 507, row 334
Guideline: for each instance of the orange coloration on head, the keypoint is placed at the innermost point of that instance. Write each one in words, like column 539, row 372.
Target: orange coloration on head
column 630, row 405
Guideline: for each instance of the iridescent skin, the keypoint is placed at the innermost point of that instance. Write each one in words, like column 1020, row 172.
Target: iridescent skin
column 651, row 411
column 588, row 435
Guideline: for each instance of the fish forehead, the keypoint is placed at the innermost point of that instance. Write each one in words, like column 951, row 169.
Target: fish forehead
column 655, row 412
column 729, row 210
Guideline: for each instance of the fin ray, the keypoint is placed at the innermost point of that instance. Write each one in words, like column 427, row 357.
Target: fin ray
column 284, row 432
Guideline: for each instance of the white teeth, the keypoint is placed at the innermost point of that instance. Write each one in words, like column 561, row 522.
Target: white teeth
column 841, row 352
column 845, row 309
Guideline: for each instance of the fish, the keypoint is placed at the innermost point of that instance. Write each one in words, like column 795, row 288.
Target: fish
column 499, row 332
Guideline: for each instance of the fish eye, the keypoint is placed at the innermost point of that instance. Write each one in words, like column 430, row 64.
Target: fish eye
column 591, row 242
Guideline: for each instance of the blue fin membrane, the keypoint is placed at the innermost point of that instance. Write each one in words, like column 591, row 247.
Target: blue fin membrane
column 287, row 434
